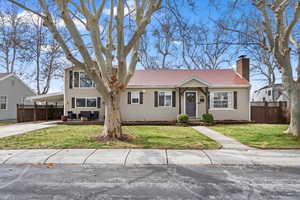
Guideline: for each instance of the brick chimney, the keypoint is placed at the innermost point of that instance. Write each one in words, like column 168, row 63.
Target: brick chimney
column 242, row 67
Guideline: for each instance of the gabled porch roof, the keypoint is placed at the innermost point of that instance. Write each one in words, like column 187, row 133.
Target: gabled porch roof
column 192, row 81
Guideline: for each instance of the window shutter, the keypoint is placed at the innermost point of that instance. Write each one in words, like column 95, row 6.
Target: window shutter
column 71, row 79
column 208, row 100
column 155, row 99
column 235, row 99
column 73, row 102
column 141, row 97
column 174, row 98
column 129, row 98
column 99, row 102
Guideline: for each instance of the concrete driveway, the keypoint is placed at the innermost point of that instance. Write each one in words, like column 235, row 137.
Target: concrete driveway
column 16, row 129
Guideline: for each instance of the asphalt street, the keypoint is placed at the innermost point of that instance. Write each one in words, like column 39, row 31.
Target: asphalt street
column 148, row 182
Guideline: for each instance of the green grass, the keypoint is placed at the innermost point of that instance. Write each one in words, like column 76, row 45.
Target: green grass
column 3, row 123
column 152, row 137
column 265, row 136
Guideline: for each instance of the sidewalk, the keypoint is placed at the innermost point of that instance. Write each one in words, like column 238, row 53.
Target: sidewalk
column 16, row 129
column 226, row 142
column 130, row 157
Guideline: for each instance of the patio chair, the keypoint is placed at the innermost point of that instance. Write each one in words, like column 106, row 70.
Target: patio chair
column 95, row 115
column 72, row 115
column 86, row 114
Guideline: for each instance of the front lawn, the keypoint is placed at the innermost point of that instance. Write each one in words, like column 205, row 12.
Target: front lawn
column 3, row 123
column 151, row 137
column 265, row 136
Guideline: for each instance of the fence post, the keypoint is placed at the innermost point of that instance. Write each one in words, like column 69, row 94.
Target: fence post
column 34, row 112
column 18, row 115
column 46, row 111
column 56, row 112
column 266, row 115
column 23, row 113
column 282, row 118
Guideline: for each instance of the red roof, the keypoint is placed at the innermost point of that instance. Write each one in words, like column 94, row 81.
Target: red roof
column 222, row 77
column 2, row 75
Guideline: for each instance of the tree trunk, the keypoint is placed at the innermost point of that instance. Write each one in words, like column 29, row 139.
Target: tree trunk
column 294, row 127
column 112, row 123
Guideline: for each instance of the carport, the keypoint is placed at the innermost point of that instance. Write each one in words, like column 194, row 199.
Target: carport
column 45, row 107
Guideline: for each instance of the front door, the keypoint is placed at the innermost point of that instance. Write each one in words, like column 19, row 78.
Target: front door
column 190, row 104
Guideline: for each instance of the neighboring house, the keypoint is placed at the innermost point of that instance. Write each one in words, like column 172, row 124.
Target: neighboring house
column 160, row 95
column 13, row 91
column 273, row 93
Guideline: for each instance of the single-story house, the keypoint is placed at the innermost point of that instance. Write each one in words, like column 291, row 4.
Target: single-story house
column 13, row 91
column 160, row 95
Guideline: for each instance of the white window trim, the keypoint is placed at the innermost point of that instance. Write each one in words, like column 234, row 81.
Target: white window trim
column 138, row 97
column 212, row 101
column 93, row 83
column 6, row 103
column 184, row 99
column 164, row 106
column 85, row 101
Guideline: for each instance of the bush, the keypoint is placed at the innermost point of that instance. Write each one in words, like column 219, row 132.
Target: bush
column 208, row 118
column 182, row 118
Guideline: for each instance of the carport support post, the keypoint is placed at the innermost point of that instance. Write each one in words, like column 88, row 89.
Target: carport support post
column 34, row 112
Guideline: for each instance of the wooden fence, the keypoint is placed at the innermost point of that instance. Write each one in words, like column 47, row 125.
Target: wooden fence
column 27, row 113
column 270, row 112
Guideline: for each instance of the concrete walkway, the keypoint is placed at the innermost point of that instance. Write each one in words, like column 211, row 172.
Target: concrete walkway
column 16, row 129
column 226, row 142
column 130, row 157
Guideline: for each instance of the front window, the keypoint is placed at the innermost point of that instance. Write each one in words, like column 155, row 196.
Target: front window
column 135, row 97
column 3, row 102
column 222, row 100
column 86, row 102
column 81, row 102
column 91, row 102
column 165, row 98
column 81, row 80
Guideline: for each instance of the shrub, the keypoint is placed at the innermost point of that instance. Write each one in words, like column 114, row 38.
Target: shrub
column 208, row 118
column 182, row 118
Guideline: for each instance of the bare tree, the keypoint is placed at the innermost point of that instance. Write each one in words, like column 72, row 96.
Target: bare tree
column 279, row 20
column 110, row 80
column 164, row 35
column 206, row 47
column 13, row 30
column 263, row 64
column 165, row 49
column 44, row 52
column 146, row 59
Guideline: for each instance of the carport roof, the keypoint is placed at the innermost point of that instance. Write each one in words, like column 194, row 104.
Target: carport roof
column 51, row 97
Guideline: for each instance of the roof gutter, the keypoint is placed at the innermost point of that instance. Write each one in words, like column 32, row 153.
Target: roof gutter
column 175, row 86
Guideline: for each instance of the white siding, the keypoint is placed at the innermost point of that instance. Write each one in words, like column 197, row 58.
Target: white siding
column 14, row 89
